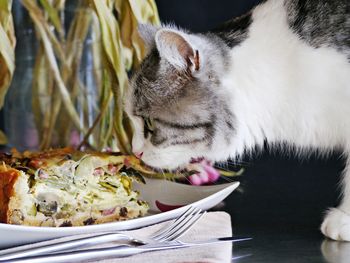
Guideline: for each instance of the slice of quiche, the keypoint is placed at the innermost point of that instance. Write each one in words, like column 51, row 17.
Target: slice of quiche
column 65, row 187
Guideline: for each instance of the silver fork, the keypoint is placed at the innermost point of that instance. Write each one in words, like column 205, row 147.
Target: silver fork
column 119, row 251
column 169, row 233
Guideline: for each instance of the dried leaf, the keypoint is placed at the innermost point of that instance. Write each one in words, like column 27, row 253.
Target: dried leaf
column 53, row 62
column 3, row 138
column 114, row 53
column 53, row 15
column 115, row 70
column 7, row 48
column 230, row 173
column 131, row 13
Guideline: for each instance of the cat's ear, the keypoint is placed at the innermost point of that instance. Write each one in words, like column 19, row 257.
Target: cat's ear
column 174, row 46
column 148, row 33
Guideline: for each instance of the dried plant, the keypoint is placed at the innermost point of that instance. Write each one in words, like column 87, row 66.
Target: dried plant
column 7, row 52
column 57, row 86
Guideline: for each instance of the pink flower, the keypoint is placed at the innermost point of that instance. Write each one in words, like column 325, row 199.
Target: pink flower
column 206, row 172
column 195, row 179
column 213, row 174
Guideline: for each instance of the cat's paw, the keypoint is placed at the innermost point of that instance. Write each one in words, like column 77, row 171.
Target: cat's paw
column 336, row 225
column 335, row 252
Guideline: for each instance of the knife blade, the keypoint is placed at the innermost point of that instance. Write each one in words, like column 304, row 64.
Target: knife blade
column 120, row 251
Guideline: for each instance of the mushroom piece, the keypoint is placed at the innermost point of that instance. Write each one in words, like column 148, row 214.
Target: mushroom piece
column 47, row 203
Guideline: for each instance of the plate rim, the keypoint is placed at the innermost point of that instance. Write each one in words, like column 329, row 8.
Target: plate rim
column 93, row 228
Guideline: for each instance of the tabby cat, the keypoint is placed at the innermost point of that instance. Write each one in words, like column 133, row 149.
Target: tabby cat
column 279, row 74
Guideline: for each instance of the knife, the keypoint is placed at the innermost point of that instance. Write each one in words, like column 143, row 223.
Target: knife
column 119, row 251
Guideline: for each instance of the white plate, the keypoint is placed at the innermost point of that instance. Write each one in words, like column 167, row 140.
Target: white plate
column 166, row 192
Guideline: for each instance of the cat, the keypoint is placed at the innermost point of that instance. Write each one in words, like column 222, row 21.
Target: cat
column 279, row 74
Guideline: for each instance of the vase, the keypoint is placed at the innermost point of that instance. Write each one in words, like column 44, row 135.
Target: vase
column 21, row 122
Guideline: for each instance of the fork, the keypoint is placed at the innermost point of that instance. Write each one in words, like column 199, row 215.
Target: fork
column 126, row 250
column 168, row 233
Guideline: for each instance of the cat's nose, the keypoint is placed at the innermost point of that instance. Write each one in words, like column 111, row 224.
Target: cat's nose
column 138, row 154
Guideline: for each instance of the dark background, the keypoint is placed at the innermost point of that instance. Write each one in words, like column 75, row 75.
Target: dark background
column 284, row 198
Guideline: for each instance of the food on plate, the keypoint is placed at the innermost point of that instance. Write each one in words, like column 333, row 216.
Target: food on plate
column 64, row 187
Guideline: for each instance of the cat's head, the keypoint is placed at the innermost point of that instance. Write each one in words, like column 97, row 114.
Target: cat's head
column 176, row 100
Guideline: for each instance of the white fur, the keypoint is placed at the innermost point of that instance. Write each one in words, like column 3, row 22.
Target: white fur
column 286, row 91
column 282, row 91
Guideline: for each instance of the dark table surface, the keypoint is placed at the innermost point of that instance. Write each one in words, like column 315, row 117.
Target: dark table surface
column 281, row 203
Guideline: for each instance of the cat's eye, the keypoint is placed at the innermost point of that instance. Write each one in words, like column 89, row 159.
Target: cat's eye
column 148, row 126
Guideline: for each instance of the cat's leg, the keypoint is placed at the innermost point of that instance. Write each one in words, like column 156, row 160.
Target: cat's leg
column 336, row 224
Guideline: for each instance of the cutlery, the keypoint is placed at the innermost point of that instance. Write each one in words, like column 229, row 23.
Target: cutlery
column 120, row 251
column 175, row 230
